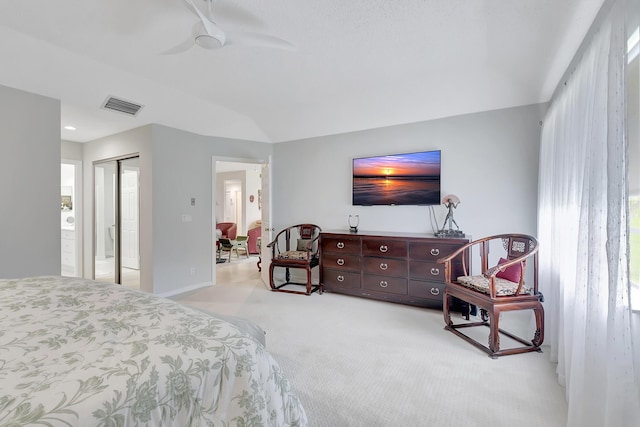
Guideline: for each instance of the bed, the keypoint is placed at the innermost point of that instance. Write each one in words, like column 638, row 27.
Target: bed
column 75, row 352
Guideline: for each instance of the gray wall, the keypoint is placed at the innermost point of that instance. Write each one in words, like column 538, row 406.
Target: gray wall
column 489, row 160
column 174, row 167
column 136, row 141
column 30, row 184
column 183, row 168
column 70, row 150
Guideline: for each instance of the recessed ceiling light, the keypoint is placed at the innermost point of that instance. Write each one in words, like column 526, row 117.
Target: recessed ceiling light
column 70, row 128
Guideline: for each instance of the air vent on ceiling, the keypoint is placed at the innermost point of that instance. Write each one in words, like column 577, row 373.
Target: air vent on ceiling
column 121, row 106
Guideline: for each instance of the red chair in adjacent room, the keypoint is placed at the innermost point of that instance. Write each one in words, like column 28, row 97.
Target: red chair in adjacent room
column 228, row 229
column 254, row 234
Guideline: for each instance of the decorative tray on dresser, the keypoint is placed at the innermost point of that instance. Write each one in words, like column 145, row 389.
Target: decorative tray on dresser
column 396, row 267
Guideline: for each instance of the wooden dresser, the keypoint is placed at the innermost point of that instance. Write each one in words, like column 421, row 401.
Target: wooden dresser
column 396, row 267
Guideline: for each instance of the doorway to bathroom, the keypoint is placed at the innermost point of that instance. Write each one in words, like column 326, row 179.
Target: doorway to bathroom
column 117, row 221
column 70, row 218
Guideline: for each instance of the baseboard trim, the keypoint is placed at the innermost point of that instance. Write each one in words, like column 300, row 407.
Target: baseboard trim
column 180, row 291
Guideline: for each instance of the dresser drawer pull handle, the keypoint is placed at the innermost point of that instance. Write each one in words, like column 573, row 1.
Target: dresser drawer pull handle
column 384, row 248
column 383, row 266
column 435, row 251
column 341, row 278
column 340, row 245
column 435, row 291
column 340, row 261
column 435, row 271
column 384, row 283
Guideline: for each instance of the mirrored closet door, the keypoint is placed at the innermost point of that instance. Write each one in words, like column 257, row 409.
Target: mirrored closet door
column 117, row 222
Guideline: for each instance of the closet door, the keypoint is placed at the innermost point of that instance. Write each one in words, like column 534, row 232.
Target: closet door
column 104, row 225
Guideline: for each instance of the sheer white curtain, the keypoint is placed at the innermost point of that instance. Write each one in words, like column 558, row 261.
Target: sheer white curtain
column 582, row 227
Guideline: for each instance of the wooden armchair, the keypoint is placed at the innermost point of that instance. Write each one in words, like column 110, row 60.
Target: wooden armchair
column 295, row 247
column 498, row 289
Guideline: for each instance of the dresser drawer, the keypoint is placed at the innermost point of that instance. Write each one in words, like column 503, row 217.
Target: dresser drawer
column 392, row 285
column 431, row 251
column 426, row 271
column 427, row 290
column 341, row 245
column 384, row 247
column 396, row 267
column 341, row 261
column 338, row 278
column 433, row 271
column 385, row 266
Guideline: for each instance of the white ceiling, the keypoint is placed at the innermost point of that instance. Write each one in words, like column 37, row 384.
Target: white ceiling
column 359, row 64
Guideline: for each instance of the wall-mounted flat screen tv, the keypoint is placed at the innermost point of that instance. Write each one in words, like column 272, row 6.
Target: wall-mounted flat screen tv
column 397, row 179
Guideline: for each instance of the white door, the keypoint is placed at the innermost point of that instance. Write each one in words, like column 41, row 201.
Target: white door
column 129, row 214
column 267, row 230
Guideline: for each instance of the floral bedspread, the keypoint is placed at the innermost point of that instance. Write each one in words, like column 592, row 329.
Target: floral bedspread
column 75, row 352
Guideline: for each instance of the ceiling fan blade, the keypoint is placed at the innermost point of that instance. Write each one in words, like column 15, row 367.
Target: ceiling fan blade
column 182, row 47
column 210, row 27
column 259, row 40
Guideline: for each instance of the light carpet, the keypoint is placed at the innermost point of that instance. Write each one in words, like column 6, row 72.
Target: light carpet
column 358, row 362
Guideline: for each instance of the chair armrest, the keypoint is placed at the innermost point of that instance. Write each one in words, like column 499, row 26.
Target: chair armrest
column 454, row 254
column 274, row 243
column 274, row 248
column 491, row 273
column 446, row 260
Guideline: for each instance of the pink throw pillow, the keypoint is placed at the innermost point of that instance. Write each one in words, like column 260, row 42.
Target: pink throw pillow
column 511, row 273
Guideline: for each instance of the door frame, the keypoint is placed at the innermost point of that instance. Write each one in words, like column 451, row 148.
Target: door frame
column 78, row 215
column 116, row 243
column 214, row 160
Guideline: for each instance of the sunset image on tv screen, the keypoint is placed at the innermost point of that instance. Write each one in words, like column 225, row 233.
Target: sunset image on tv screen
column 399, row 179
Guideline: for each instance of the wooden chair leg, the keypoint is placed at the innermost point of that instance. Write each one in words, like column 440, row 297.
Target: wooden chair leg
column 271, row 283
column 308, row 281
column 446, row 302
column 538, row 337
column 494, row 330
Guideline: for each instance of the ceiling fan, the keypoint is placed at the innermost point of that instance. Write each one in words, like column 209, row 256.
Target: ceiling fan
column 207, row 34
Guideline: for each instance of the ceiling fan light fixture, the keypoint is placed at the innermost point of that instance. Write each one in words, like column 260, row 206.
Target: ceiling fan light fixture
column 206, row 41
